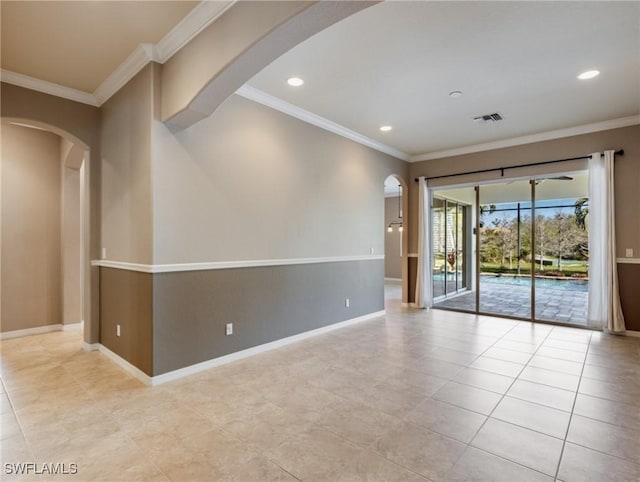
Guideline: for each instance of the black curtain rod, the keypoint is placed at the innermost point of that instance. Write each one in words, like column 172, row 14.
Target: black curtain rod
column 502, row 169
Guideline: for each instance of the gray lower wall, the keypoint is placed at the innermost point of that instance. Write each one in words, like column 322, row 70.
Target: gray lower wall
column 126, row 300
column 265, row 304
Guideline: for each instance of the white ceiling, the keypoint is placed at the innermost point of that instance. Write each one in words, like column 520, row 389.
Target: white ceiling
column 396, row 62
column 393, row 63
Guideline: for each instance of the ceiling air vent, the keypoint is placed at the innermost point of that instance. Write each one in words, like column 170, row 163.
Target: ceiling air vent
column 483, row 119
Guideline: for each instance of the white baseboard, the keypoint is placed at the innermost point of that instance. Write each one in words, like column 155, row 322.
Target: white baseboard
column 90, row 346
column 225, row 359
column 239, row 355
column 73, row 326
column 38, row 330
column 632, row 333
column 395, row 280
column 128, row 367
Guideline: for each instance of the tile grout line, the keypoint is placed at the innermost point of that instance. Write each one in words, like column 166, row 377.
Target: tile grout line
column 21, row 427
column 509, row 330
column 514, row 378
column 575, row 399
column 110, row 415
column 502, row 398
column 430, row 397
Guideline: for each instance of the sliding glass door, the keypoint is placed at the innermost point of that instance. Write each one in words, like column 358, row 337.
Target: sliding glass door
column 439, row 237
column 562, row 249
column 451, row 234
column 504, row 246
column 517, row 248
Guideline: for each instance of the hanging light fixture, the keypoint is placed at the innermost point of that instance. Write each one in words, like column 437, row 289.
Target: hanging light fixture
column 399, row 222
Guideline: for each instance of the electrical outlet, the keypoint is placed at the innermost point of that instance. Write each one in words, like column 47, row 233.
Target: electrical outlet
column 229, row 329
column 373, row 250
column 117, row 330
column 347, row 302
column 104, row 253
column 629, row 253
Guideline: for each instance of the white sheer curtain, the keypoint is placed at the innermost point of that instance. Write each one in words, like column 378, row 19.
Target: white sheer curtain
column 604, row 310
column 424, row 290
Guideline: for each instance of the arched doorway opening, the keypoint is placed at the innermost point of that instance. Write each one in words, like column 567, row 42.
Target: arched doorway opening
column 396, row 239
column 45, row 229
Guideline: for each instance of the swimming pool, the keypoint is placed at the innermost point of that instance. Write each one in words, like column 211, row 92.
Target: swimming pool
column 564, row 284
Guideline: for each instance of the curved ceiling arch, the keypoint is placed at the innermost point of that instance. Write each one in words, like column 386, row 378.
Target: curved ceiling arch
column 224, row 56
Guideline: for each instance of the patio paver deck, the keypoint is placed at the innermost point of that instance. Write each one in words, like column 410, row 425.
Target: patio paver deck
column 510, row 300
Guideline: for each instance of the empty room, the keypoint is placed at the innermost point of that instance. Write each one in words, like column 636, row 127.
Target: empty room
column 320, row 240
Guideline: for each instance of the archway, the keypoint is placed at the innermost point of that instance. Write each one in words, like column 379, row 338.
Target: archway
column 73, row 154
column 396, row 202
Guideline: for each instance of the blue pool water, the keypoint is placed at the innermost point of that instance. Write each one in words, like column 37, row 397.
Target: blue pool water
column 551, row 283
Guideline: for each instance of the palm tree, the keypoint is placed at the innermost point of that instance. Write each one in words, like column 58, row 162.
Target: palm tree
column 581, row 210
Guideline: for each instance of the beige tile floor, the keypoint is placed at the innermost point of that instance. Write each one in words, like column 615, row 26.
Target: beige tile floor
column 411, row 396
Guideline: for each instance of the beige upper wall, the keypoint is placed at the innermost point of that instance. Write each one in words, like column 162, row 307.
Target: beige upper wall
column 80, row 124
column 249, row 182
column 30, row 203
column 627, row 173
column 127, row 229
column 73, row 118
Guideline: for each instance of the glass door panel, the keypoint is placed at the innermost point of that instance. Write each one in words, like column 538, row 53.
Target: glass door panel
column 562, row 248
column 439, row 246
column 505, row 247
column 461, row 279
column 451, row 272
column 451, row 237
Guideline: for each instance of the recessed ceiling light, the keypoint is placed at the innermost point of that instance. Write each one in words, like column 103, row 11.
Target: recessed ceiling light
column 295, row 81
column 455, row 94
column 589, row 74
column 386, row 128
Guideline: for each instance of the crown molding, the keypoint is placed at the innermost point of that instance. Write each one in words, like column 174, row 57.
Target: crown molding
column 257, row 95
column 199, row 18
column 141, row 56
column 45, row 87
column 542, row 136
